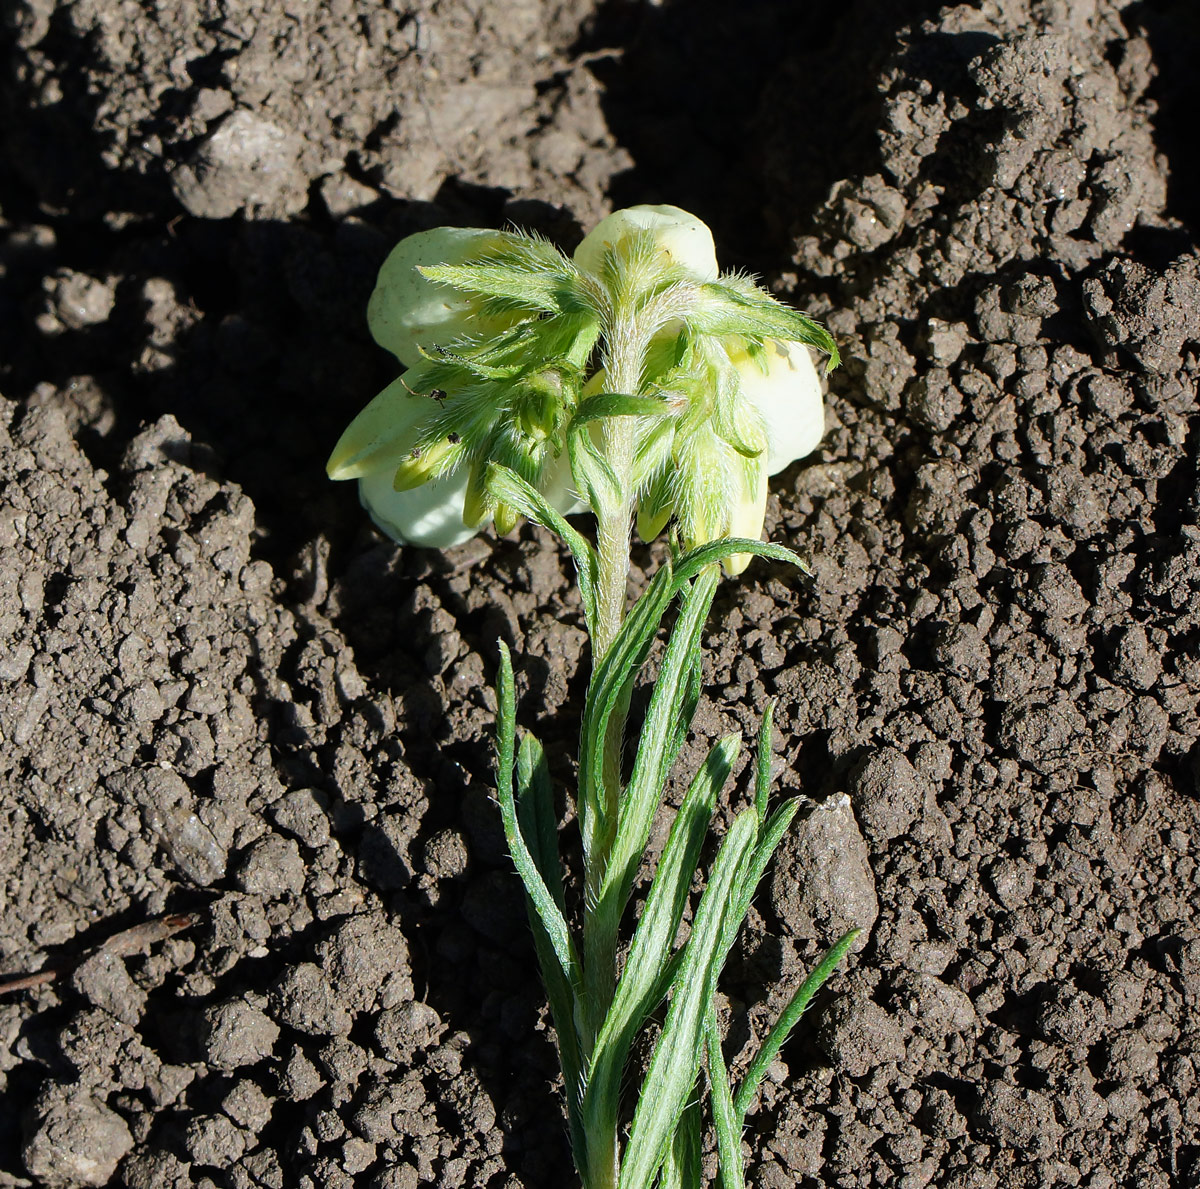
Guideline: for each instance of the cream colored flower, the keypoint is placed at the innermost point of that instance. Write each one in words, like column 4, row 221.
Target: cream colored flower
column 681, row 238
column 408, row 312
column 787, row 396
column 498, row 349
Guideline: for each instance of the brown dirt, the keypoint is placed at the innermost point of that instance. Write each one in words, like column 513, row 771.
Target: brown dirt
column 221, row 694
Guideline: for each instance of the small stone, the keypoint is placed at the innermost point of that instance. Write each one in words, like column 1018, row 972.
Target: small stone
column 887, row 794
column 357, row 1155
column 1031, row 296
column 272, row 867
column 398, row 1176
column 210, row 103
column 938, row 1007
column 303, row 999
column 1012, row 882
column 856, row 1035
column 960, row 649
column 79, row 301
column 343, row 195
column 154, row 1168
column 300, row 1079
column 341, row 1060
column 1130, row 1056
column 1018, row 1119
column 141, row 704
column 214, row 1140
column 946, row 341
column 365, row 957
column 1123, row 994
column 1072, row 1017
column 235, row 1034
column 822, row 884
column 402, row 1032
column 445, row 855
column 73, row 1139
column 247, row 1105
column 248, row 164
column 1135, row 663
column 303, row 813
column 932, row 401
column 103, row 980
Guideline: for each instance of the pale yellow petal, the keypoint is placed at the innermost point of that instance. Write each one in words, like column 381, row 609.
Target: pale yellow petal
column 407, row 309
column 789, row 398
column 382, row 434
column 430, row 515
column 748, row 512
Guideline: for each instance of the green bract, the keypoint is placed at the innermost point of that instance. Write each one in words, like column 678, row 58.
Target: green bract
column 636, row 380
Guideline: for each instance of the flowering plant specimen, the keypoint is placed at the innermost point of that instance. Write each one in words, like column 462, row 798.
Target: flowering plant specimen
column 636, row 381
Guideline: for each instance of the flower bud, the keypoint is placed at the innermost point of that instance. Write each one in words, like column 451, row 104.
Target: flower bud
column 507, row 518
column 682, row 239
column 748, row 511
column 652, row 519
column 477, row 505
column 423, row 464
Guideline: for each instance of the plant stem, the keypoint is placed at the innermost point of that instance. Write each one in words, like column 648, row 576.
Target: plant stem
column 624, row 363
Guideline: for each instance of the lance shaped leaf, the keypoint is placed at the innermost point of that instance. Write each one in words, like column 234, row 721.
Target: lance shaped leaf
column 648, row 965
column 735, row 305
column 676, row 1059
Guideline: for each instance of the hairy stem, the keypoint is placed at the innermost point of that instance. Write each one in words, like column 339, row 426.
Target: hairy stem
column 624, row 363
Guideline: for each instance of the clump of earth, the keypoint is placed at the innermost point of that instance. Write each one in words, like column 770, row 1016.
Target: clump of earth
column 248, row 856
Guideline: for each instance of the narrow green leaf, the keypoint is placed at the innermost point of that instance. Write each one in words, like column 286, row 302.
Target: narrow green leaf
column 610, row 678
column 476, row 366
column 691, row 563
column 508, row 487
column 666, row 980
column 682, row 1167
column 769, row 837
column 533, row 292
column 735, row 305
column 551, row 939
column 762, row 762
column 562, row 999
column 788, row 1019
column 547, row 909
column 615, row 404
column 536, row 816
column 725, row 1121
column 676, row 1059
column 522, row 273
column 591, row 470
column 691, row 699
column 660, row 735
column 648, row 966
column 650, row 458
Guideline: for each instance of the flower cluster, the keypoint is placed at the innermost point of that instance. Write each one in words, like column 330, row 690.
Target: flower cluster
column 514, row 354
